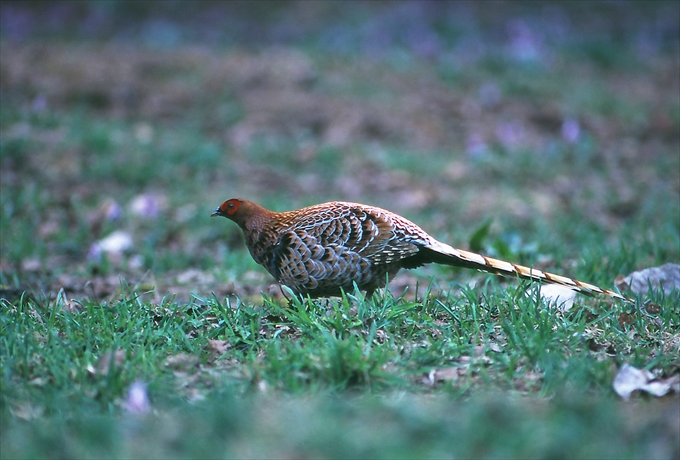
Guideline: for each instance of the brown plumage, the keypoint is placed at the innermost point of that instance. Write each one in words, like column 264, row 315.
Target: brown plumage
column 324, row 249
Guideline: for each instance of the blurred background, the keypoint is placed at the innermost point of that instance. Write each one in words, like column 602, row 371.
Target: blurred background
column 529, row 130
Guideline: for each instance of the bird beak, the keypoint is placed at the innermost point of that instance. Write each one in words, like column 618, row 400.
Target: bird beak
column 216, row 212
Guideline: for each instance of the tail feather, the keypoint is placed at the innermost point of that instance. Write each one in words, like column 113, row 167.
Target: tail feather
column 449, row 255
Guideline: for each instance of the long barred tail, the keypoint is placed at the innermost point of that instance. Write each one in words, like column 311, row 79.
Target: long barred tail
column 467, row 259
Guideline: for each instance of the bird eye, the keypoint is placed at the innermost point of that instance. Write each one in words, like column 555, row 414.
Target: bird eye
column 230, row 206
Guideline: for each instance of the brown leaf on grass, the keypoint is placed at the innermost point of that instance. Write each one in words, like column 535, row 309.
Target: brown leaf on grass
column 626, row 319
column 630, row 379
column 194, row 394
column 38, row 382
column 71, row 306
column 529, row 381
column 27, row 411
column 94, row 287
column 381, row 336
column 217, row 348
column 195, row 277
column 104, row 362
column 481, row 350
column 653, row 309
column 444, row 374
column 493, row 346
column 181, row 362
column 31, row 265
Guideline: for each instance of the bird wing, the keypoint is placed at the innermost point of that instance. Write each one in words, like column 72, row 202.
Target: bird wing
column 370, row 232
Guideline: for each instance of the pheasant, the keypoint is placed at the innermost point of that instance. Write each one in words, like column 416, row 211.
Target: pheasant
column 322, row 250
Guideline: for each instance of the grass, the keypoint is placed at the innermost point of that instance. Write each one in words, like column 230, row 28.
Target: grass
column 445, row 363
column 386, row 363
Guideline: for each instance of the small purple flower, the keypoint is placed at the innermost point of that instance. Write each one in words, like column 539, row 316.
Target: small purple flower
column 137, row 401
column 571, row 130
column 112, row 210
column 475, row 147
column 16, row 23
column 39, row 104
column 489, row 95
column 145, row 205
column 525, row 45
column 510, row 134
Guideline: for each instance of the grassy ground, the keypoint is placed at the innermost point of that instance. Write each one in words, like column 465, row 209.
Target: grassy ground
column 557, row 126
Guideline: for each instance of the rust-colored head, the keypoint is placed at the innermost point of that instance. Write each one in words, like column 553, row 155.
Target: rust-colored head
column 240, row 211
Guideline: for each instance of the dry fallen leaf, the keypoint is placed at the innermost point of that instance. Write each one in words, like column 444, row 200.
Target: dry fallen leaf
column 630, row 379
column 104, row 362
column 626, row 319
column 444, row 374
column 27, row 411
column 666, row 277
column 71, row 306
column 181, row 362
column 653, row 309
column 217, row 348
column 493, row 346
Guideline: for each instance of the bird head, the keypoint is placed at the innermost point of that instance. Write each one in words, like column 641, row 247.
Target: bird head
column 228, row 209
column 240, row 211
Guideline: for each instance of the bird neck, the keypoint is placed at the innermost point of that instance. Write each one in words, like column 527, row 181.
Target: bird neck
column 256, row 219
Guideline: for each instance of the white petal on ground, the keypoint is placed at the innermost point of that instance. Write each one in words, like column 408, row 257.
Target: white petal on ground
column 117, row 242
column 559, row 296
column 630, row 379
